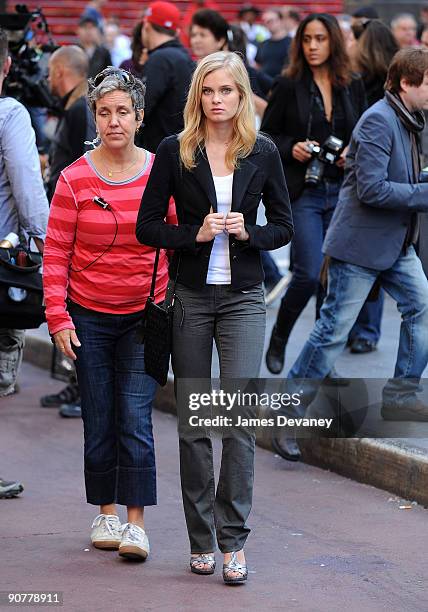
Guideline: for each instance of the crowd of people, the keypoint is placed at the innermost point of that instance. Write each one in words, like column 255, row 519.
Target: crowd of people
column 167, row 148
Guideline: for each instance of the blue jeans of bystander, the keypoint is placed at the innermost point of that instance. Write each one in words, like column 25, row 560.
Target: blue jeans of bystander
column 348, row 288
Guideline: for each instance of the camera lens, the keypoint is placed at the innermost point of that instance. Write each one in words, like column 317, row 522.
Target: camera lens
column 314, row 172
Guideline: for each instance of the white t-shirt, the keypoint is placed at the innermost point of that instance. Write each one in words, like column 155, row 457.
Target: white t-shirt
column 219, row 264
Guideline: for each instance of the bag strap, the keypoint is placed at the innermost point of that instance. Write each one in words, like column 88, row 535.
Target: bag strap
column 171, row 289
column 154, row 275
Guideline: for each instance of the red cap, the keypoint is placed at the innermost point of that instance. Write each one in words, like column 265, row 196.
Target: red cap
column 163, row 14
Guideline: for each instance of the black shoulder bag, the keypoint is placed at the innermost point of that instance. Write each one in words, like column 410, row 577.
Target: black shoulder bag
column 21, row 289
column 157, row 329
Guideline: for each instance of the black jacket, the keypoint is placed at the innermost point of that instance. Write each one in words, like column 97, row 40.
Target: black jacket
column 259, row 176
column 75, row 125
column 167, row 74
column 99, row 60
column 261, row 83
column 374, row 88
column 287, row 115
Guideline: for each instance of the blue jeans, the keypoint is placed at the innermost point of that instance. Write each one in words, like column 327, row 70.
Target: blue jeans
column 348, row 287
column 367, row 326
column 117, row 400
column 270, row 269
column 312, row 213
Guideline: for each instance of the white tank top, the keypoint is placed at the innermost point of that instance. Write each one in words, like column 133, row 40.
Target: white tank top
column 219, row 264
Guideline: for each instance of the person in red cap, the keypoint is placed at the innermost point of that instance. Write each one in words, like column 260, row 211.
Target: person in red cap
column 163, row 14
column 167, row 73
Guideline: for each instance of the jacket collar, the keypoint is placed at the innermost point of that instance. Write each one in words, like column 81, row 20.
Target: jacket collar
column 241, row 178
column 202, row 173
column 404, row 134
column 407, row 146
column 167, row 44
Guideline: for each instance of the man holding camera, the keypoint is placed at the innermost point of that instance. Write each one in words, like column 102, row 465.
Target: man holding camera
column 23, row 211
column 68, row 79
column 371, row 236
column 23, row 204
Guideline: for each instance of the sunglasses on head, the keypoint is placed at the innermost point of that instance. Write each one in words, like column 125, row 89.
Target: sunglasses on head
column 119, row 73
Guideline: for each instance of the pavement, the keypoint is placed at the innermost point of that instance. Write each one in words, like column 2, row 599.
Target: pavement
column 392, row 457
column 320, row 542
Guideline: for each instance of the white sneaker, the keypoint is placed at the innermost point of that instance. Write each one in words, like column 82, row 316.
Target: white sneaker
column 135, row 543
column 106, row 531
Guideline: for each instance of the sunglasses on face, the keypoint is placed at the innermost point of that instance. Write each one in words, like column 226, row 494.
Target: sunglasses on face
column 126, row 77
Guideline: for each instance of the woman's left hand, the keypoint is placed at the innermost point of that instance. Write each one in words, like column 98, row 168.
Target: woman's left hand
column 235, row 225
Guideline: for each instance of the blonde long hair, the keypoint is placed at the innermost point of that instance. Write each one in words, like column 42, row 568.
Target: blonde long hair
column 195, row 131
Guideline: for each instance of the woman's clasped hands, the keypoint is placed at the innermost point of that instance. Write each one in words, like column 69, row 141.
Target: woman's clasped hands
column 216, row 223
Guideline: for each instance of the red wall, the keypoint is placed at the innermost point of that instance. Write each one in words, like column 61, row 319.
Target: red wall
column 63, row 15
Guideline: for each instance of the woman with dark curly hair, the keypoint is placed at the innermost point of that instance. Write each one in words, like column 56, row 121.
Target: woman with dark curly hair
column 316, row 100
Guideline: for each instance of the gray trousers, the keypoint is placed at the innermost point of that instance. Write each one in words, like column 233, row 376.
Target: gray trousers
column 11, row 350
column 235, row 320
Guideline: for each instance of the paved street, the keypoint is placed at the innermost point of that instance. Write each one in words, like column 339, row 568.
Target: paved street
column 319, row 543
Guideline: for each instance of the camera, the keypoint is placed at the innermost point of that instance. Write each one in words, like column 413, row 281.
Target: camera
column 328, row 153
column 27, row 78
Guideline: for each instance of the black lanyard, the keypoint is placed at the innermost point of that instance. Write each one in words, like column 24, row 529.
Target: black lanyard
column 316, row 98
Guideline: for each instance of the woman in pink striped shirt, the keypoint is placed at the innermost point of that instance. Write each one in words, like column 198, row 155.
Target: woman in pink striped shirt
column 97, row 278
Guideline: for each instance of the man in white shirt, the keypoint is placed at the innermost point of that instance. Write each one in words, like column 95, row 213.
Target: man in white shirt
column 255, row 32
column 24, row 206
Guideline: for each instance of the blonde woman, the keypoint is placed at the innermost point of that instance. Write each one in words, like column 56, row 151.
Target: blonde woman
column 218, row 169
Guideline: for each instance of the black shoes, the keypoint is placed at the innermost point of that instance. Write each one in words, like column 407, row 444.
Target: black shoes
column 70, row 411
column 287, row 448
column 334, row 379
column 275, row 355
column 417, row 411
column 69, row 395
column 361, row 345
column 10, row 488
column 67, row 400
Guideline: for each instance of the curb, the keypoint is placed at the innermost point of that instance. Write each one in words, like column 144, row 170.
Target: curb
column 386, row 464
column 38, row 351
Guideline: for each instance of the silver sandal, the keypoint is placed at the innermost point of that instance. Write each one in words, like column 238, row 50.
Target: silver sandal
column 205, row 559
column 236, row 567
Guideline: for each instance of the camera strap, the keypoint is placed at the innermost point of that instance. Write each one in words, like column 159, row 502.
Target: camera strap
column 316, row 98
column 311, row 105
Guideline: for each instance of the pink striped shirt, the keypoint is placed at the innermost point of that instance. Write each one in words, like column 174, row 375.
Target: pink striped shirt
column 79, row 231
